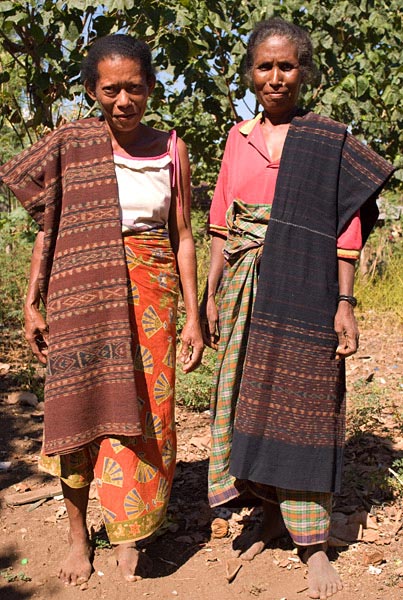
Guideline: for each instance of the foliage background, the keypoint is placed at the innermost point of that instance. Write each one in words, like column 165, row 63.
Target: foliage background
column 198, row 47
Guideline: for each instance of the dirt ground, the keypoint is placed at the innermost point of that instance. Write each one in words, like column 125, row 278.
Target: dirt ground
column 188, row 563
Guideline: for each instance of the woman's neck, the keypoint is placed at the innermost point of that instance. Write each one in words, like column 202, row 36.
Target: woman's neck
column 279, row 119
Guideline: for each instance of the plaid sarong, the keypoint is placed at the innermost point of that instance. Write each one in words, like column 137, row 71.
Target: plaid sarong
column 246, row 230
column 306, row 515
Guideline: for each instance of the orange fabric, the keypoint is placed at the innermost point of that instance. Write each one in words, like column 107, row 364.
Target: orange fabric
column 134, row 475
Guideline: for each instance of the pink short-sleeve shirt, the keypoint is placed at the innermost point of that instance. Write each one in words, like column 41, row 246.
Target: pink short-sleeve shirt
column 247, row 173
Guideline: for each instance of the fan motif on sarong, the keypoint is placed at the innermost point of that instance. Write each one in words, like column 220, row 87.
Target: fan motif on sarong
column 112, row 472
column 116, row 445
column 162, row 492
column 133, row 293
column 169, row 358
column 108, row 515
column 168, row 453
column 145, row 471
column 162, row 389
column 143, row 360
column 134, row 504
column 151, row 322
column 131, row 259
column 153, row 427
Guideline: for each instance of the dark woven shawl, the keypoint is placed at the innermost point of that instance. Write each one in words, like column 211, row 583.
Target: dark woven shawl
column 67, row 183
column 290, row 422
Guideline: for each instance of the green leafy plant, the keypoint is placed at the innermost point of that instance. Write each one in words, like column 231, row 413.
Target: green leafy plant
column 193, row 390
column 396, row 479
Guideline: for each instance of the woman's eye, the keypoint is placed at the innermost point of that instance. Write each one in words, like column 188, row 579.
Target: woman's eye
column 287, row 67
column 265, row 67
column 136, row 89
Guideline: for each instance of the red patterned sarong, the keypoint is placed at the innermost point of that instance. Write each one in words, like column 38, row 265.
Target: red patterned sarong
column 134, row 474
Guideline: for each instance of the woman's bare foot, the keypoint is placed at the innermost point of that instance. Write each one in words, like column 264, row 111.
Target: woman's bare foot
column 272, row 527
column 129, row 558
column 77, row 567
column 323, row 579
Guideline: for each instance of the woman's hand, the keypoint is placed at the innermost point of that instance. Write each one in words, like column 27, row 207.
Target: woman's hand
column 208, row 309
column 345, row 325
column 36, row 332
column 210, row 322
column 191, row 351
column 36, row 329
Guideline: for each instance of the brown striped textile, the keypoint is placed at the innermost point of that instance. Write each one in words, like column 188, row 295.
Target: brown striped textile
column 290, row 419
column 67, row 183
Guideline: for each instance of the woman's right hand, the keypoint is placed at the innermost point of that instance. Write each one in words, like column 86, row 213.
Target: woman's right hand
column 210, row 324
column 36, row 332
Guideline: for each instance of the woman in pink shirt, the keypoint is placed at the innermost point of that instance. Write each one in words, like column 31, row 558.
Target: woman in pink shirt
column 295, row 200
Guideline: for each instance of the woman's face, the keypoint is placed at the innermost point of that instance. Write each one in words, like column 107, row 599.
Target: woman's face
column 276, row 75
column 122, row 91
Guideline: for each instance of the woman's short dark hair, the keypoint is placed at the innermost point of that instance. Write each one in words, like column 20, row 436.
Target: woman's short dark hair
column 117, row 44
column 276, row 26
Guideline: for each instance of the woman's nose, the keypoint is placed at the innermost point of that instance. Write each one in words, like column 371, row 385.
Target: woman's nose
column 123, row 98
column 275, row 76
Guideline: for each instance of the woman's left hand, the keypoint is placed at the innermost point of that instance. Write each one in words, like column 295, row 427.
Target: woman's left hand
column 192, row 346
column 345, row 325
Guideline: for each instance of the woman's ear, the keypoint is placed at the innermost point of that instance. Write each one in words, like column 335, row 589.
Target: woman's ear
column 151, row 84
column 89, row 91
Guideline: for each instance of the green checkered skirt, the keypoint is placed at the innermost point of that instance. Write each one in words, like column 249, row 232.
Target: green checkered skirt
column 306, row 514
column 246, row 224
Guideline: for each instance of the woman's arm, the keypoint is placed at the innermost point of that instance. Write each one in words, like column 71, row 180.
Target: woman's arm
column 183, row 246
column 345, row 323
column 36, row 329
column 208, row 309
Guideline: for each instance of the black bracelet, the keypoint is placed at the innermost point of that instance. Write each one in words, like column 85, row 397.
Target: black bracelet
column 350, row 299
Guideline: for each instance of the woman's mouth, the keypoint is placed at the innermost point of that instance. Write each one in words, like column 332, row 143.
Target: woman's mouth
column 124, row 117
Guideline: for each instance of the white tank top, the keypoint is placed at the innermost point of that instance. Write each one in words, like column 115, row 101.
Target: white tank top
column 145, row 191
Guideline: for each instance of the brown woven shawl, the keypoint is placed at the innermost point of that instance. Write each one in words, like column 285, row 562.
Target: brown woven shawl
column 67, row 183
column 290, row 421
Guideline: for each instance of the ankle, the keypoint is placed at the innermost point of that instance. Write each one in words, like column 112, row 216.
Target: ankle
column 79, row 536
column 307, row 552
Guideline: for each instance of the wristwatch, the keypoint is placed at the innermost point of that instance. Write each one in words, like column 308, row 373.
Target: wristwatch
column 350, row 299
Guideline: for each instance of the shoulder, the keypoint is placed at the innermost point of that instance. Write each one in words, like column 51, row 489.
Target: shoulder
column 247, row 126
column 239, row 132
column 319, row 122
column 81, row 127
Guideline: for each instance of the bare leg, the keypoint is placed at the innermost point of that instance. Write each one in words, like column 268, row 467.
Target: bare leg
column 272, row 527
column 323, row 579
column 128, row 558
column 77, row 567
